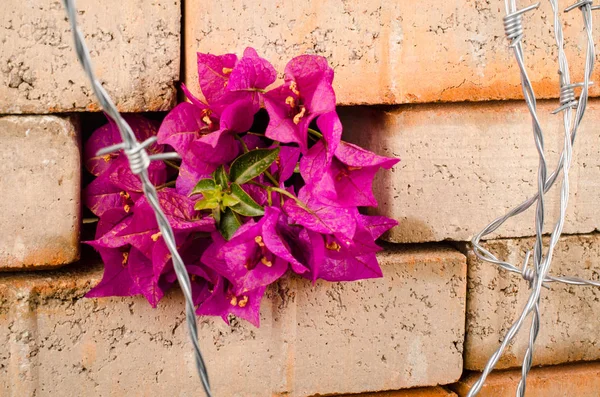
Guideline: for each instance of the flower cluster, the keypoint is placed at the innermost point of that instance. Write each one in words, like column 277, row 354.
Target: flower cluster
column 245, row 205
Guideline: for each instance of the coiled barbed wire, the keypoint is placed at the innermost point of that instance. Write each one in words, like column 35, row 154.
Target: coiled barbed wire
column 538, row 275
column 139, row 160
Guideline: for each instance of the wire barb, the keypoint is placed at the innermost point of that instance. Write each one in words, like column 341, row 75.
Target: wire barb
column 139, row 160
column 527, row 273
column 538, row 275
column 513, row 24
column 579, row 4
column 567, row 97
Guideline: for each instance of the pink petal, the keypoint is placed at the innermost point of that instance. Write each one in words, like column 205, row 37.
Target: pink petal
column 320, row 217
column 116, row 280
column 314, row 78
column 251, row 72
column 142, row 273
column 213, row 76
column 331, row 127
column 281, row 124
column 181, row 126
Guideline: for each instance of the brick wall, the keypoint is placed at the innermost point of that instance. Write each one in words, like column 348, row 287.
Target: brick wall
column 443, row 72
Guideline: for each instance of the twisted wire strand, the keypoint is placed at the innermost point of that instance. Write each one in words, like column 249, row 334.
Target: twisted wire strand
column 538, row 276
column 541, row 269
column 530, row 101
column 585, row 7
column 139, row 160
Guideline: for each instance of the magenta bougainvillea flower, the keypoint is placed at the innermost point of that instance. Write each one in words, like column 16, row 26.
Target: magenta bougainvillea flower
column 115, row 185
column 348, row 178
column 223, row 302
column 306, row 93
column 213, row 76
column 108, row 134
column 249, row 206
column 250, row 76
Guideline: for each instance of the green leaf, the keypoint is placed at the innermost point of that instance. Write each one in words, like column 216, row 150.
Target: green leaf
column 221, row 177
column 246, row 205
column 216, row 214
column 206, row 204
column 203, row 186
column 229, row 200
column 229, row 224
column 250, row 165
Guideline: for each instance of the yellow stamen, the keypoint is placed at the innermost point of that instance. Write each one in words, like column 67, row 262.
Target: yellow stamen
column 266, row 262
column 294, row 88
column 193, row 277
column 243, row 302
column 299, row 116
column 290, row 101
column 233, row 301
column 155, row 236
column 125, row 258
column 227, row 70
column 259, row 241
column 333, row 246
column 127, row 208
column 206, row 117
column 106, row 157
column 124, row 194
column 207, row 120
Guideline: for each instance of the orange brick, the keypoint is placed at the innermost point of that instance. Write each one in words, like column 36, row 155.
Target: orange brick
column 383, row 334
column 570, row 321
column 424, row 392
column 40, row 192
column 391, row 52
column 134, row 46
column 580, row 380
column 328, row 338
column 463, row 165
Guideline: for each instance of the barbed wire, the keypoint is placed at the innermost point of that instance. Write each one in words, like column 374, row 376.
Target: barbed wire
column 139, row 160
column 538, row 276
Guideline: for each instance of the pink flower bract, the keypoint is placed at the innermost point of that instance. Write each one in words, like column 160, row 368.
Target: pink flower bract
column 268, row 196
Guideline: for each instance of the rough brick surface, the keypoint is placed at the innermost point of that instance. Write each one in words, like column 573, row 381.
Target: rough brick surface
column 134, row 46
column 422, row 392
column 463, row 165
column 390, row 329
column 570, row 323
column 391, row 52
column 40, row 191
column 580, row 380
column 402, row 331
